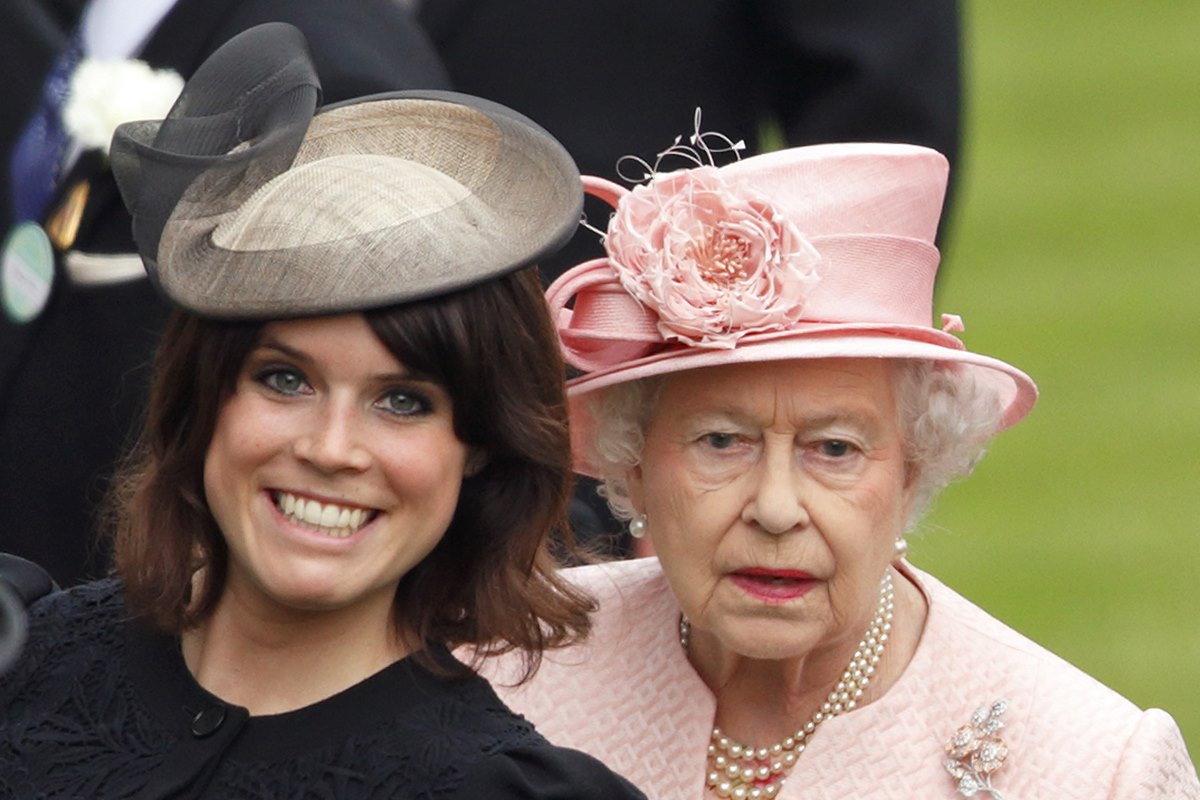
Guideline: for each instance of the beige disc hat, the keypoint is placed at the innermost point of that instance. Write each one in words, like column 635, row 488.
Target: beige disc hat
column 249, row 202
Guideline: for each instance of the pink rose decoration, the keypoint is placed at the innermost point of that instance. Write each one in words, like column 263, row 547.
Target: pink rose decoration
column 714, row 261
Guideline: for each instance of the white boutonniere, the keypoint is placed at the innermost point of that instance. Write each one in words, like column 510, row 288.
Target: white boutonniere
column 103, row 94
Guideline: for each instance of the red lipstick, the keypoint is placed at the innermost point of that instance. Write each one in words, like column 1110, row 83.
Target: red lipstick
column 773, row 585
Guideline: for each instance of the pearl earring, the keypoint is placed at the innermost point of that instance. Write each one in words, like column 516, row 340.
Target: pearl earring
column 900, row 549
column 637, row 526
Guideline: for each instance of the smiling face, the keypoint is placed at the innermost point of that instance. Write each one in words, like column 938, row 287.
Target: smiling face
column 773, row 494
column 332, row 471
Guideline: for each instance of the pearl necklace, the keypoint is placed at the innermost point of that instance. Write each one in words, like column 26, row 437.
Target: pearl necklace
column 743, row 772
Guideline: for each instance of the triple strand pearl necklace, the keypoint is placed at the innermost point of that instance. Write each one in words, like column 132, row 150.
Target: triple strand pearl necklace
column 743, row 772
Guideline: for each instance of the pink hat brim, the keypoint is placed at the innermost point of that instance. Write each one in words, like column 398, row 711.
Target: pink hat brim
column 1015, row 391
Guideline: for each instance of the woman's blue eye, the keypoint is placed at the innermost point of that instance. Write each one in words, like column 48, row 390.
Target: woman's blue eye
column 284, row 381
column 405, row 403
column 719, row 441
column 835, row 448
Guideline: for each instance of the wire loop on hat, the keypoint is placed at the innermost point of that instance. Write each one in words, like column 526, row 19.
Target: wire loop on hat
column 701, row 150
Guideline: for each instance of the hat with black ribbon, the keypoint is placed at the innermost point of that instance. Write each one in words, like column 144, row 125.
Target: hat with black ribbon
column 250, row 201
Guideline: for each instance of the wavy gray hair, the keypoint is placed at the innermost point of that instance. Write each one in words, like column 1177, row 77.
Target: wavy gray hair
column 945, row 419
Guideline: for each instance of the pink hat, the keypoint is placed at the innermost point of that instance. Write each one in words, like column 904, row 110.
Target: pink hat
column 811, row 252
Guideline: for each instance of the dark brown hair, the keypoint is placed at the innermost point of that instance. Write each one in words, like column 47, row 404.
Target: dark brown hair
column 491, row 581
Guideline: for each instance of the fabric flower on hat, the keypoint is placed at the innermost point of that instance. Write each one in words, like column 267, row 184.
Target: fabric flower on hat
column 712, row 259
column 103, row 94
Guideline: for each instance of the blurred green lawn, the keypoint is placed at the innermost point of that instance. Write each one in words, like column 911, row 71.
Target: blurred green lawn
column 1074, row 253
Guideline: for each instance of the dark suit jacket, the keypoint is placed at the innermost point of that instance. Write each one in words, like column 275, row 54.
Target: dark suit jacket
column 72, row 382
column 615, row 77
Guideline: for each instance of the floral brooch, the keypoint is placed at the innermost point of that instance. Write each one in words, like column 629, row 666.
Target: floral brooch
column 974, row 752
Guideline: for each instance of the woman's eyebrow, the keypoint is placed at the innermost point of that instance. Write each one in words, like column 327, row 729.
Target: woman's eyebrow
column 853, row 418
column 803, row 421
column 714, row 415
column 290, row 352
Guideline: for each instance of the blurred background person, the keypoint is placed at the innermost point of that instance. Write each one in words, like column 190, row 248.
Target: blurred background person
column 607, row 77
column 22, row 583
column 610, row 76
column 79, row 318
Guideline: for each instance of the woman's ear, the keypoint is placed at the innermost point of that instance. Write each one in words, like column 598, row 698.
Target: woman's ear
column 912, row 476
column 477, row 459
column 633, row 484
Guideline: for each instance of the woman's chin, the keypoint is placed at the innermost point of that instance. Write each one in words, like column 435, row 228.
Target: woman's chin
column 775, row 640
column 305, row 593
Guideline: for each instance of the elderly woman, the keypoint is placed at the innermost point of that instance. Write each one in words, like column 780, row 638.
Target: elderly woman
column 764, row 398
column 355, row 453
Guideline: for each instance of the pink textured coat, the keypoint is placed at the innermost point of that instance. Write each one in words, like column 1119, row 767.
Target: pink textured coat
column 629, row 697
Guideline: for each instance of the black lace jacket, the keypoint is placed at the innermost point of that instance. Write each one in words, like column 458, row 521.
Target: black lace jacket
column 98, row 707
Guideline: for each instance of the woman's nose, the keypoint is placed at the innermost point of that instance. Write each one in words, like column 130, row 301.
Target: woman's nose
column 333, row 440
column 776, row 503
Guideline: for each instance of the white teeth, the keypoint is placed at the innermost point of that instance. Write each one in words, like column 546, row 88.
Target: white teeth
column 311, row 513
column 327, row 518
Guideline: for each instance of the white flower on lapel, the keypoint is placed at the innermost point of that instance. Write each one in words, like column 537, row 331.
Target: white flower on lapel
column 103, row 94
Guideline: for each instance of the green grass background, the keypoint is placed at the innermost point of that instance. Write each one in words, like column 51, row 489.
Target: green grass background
column 1074, row 253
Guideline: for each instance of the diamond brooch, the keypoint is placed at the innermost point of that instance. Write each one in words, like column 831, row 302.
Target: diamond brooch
column 974, row 752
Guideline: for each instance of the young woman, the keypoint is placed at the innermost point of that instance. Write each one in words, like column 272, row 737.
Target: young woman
column 355, row 452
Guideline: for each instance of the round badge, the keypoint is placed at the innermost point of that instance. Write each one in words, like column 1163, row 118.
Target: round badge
column 26, row 272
